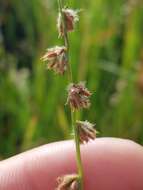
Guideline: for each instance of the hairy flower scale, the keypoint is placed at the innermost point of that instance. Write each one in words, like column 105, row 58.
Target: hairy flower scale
column 71, row 17
column 56, row 58
column 86, row 131
column 78, row 96
column 68, row 182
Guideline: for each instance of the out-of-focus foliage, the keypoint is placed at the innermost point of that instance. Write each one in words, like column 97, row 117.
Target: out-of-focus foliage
column 106, row 51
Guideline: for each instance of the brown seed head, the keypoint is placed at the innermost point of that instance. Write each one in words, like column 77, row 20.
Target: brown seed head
column 78, row 96
column 56, row 58
column 71, row 17
column 68, row 182
column 86, row 131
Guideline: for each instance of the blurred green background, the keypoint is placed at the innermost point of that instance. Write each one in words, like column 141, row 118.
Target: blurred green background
column 106, row 51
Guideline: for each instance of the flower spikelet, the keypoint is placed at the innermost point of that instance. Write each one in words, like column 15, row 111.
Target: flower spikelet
column 71, row 17
column 56, row 58
column 68, row 182
column 78, row 96
column 86, row 131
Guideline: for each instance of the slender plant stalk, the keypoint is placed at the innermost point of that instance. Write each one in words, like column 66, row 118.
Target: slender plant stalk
column 78, row 152
column 73, row 113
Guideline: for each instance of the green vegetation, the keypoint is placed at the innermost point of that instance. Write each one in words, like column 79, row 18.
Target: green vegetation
column 107, row 51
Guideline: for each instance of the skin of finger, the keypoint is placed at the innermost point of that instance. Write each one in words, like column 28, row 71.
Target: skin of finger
column 109, row 164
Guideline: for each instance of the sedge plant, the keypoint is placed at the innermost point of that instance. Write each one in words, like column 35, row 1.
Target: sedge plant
column 78, row 96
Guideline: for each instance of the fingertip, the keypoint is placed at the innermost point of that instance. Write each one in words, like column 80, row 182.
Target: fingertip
column 109, row 163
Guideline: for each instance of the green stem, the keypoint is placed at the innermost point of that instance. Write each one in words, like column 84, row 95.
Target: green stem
column 78, row 152
column 73, row 113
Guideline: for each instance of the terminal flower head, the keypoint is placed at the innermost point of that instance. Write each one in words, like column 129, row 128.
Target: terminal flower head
column 71, row 17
